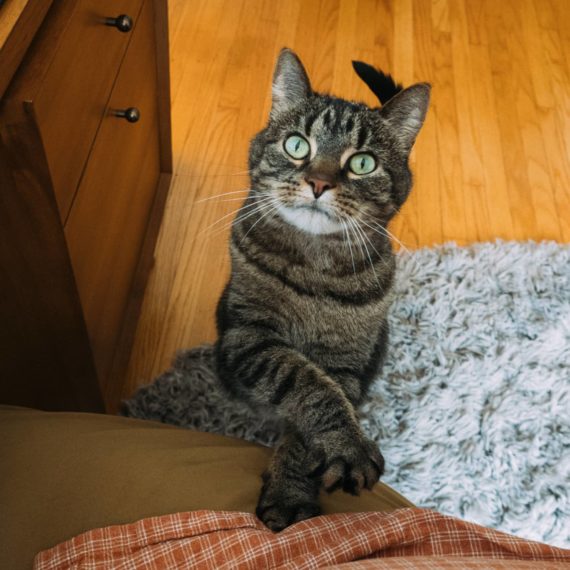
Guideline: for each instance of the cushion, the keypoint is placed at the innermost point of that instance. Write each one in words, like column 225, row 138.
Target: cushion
column 66, row 473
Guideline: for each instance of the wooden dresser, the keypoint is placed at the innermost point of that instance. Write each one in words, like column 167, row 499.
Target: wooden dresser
column 85, row 166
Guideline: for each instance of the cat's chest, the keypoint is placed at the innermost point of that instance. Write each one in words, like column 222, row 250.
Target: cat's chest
column 316, row 315
column 316, row 324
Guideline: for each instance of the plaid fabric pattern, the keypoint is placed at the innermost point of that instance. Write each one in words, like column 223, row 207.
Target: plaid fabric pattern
column 229, row 540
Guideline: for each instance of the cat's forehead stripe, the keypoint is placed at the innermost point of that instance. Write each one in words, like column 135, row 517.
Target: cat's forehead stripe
column 309, row 122
column 362, row 136
column 336, row 119
column 339, row 115
column 320, row 120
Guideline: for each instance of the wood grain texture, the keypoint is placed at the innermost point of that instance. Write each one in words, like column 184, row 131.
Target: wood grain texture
column 115, row 384
column 19, row 20
column 71, row 99
column 491, row 162
column 11, row 11
column 107, row 223
column 71, row 286
column 45, row 359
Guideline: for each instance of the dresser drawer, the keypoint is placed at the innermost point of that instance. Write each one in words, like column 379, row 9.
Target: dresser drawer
column 74, row 91
column 107, row 221
column 73, row 282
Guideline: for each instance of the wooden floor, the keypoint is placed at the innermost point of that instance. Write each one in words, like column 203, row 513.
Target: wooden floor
column 491, row 162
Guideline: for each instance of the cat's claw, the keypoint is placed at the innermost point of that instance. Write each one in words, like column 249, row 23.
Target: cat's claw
column 349, row 465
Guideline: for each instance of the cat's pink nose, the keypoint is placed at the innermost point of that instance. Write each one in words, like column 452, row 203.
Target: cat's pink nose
column 319, row 185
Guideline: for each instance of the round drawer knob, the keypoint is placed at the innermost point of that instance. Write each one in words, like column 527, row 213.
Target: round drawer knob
column 132, row 114
column 123, row 23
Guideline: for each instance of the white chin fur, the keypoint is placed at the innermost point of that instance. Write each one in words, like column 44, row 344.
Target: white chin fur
column 313, row 222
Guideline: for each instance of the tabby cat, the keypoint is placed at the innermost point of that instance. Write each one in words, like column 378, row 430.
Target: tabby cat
column 302, row 327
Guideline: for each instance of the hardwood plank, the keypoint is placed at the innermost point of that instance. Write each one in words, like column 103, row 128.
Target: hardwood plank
column 510, row 83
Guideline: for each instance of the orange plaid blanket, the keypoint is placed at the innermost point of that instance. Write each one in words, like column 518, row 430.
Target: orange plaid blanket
column 406, row 538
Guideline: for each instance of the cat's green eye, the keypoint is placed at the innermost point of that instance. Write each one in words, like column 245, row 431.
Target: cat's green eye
column 297, row 147
column 362, row 163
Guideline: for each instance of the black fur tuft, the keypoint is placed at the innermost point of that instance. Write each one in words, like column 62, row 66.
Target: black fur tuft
column 380, row 83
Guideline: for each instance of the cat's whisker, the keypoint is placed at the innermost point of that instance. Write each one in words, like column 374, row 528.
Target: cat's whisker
column 242, row 217
column 220, row 195
column 242, row 198
column 385, row 231
column 358, row 237
column 366, row 237
column 260, row 203
column 218, row 231
column 381, row 257
column 239, row 218
column 358, row 229
column 345, row 231
column 399, row 242
column 359, row 240
column 248, row 207
column 273, row 209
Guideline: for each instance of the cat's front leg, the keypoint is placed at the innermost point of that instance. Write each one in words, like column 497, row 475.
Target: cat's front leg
column 269, row 371
column 289, row 494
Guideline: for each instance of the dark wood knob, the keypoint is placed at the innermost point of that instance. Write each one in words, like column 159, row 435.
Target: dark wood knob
column 123, row 23
column 132, row 114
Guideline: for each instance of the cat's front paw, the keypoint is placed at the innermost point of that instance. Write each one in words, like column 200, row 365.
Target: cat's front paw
column 347, row 463
column 283, row 502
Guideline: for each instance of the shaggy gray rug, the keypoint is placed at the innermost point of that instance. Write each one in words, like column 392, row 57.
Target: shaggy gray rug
column 472, row 411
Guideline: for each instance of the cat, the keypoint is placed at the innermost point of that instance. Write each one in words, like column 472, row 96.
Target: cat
column 302, row 326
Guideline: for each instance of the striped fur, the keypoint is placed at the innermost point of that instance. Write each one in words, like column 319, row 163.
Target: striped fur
column 302, row 327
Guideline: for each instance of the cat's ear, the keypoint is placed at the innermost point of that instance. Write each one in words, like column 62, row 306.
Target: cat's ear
column 406, row 112
column 290, row 82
